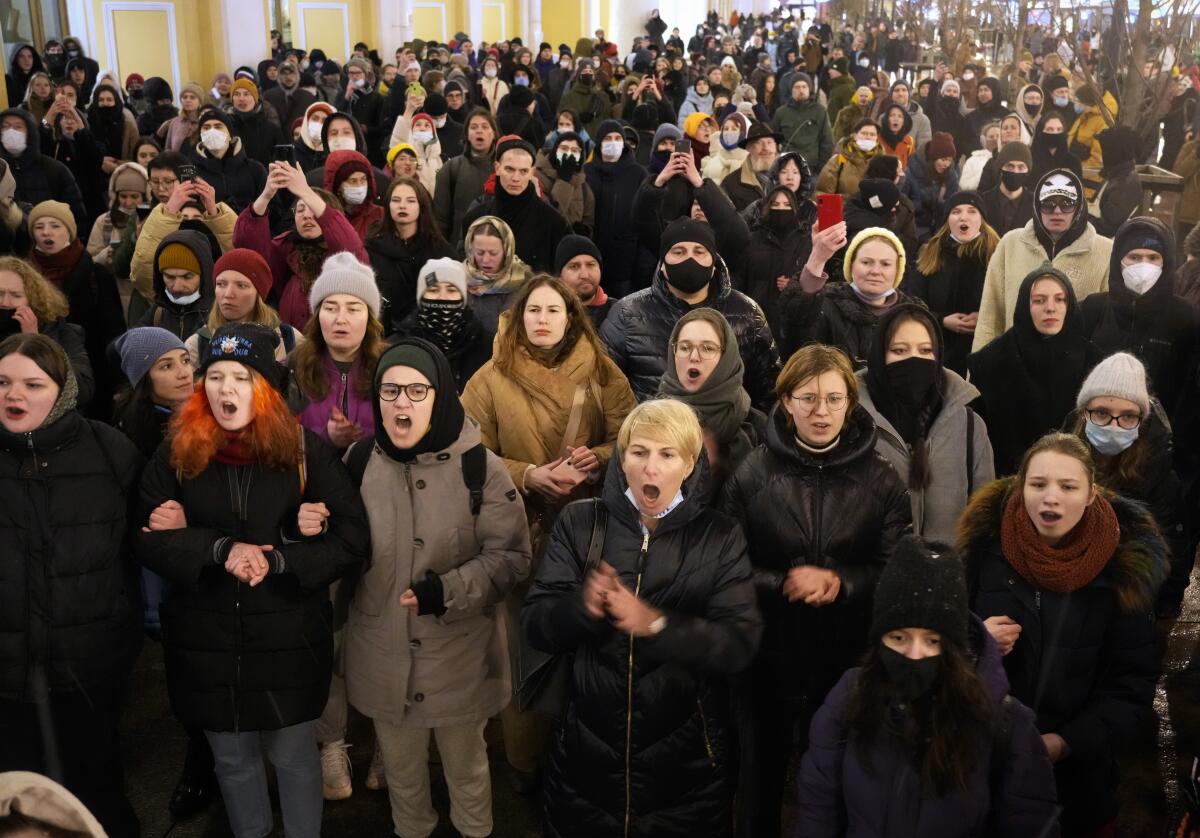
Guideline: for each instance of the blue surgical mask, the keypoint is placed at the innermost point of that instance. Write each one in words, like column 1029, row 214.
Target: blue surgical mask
column 521, row 81
column 1080, row 108
column 1061, row 101
column 1110, row 440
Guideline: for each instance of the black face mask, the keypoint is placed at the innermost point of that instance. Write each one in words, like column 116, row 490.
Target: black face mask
column 780, row 220
column 9, row 325
column 910, row 678
column 1014, row 180
column 688, row 276
column 137, row 94
column 911, row 381
column 1033, row 109
column 586, row 80
column 445, row 319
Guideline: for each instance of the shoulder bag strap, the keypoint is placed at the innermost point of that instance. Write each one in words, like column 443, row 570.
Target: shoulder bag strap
column 970, row 451
column 596, row 545
column 573, row 420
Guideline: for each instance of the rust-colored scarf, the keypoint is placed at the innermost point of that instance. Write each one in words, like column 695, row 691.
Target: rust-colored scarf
column 1075, row 562
column 59, row 266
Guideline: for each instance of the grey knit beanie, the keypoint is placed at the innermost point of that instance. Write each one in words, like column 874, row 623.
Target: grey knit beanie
column 141, row 347
column 342, row 273
column 442, row 270
column 1120, row 375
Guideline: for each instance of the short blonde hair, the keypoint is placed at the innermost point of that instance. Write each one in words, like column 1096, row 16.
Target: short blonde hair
column 811, row 361
column 664, row 420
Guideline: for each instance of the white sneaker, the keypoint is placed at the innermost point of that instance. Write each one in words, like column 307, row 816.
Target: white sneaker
column 335, row 770
column 376, row 778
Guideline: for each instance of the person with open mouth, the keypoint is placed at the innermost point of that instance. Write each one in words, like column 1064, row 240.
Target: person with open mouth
column 652, row 620
column 1050, row 549
column 250, row 517
column 822, row 512
column 704, row 371
column 1028, row 377
column 549, row 403
column 449, row 542
column 69, row 614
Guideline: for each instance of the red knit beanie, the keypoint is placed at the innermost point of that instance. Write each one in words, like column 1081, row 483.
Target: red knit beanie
column 250, row 264
column 942, row 145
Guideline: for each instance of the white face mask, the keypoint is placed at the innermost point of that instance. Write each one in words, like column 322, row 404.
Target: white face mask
column 185, row 300
column 1141, row 277
column 864, row 62
column 216, row 94
column 214, row 139
column 490, row 72
column 314, row 131
column 422, row 137
column 865, row 145
column 354, row 195
column 13, row 140
column 342, row 144
column 730, row 138
column 968, row 75
column 611, row 151
column 566, row 65
column 360, row 83
column 440, row 122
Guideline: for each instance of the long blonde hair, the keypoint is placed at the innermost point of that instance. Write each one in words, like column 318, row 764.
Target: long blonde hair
column 46, row 301
column 978, row 249
column 261, row 314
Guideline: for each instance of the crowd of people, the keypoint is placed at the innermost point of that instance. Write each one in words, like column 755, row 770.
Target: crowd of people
column 712, row 413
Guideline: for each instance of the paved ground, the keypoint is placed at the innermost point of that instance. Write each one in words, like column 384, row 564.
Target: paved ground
column 154, row 746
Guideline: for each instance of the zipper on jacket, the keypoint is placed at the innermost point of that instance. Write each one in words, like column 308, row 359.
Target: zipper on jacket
column 345, row 396
column 712, row 757
column 1037, row 601
column 637, row 590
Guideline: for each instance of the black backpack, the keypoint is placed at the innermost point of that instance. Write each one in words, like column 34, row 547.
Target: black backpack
column 474, row 469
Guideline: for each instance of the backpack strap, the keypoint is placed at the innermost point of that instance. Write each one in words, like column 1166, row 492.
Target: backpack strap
column 302, row 466
column 596, row 544
column 1001, row 744
column 474, row 472
column 289, row 337
column 158, row 316
column 970, row 452
column 356, row 460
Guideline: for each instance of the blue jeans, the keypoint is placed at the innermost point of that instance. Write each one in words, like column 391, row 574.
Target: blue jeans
column 242, row 776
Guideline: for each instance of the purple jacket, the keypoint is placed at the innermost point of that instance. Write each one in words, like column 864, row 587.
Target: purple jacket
column 838, row 796
column 341, row 395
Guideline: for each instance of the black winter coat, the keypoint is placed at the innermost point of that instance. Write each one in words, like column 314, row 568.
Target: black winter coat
column 259, row 135
column 771, row 255
column 657, row 206
column 290, row 108
column 536, row 225
column 843, row 511
column 241, row 658
column 645, row 740
column 956, row 288
column 638, row 328
column 69, row 605
column 397, row 263
column 1087, row 661
column 40, row 177
column 615, row 186
column 834, row 315
column 369, row 108
column 1159, row 327
column 236, row 178
column 83, row 155
column 469, row 351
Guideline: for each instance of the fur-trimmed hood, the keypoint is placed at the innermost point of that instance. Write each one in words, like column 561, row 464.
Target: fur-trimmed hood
column 1135, row 572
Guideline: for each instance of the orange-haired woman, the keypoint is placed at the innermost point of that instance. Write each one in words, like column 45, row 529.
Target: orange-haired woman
column 250, row 517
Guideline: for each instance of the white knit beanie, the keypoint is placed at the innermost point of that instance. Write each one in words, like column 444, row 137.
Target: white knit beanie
column 342, row 273
column 442, row 270
column 1120, row 375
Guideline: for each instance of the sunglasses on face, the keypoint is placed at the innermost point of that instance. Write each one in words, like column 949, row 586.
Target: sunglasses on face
column 1066, row 205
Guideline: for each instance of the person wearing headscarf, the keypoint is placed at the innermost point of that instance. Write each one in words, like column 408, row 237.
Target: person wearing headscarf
column 423, row 619
column 494, row 271
column 950, row 271
column 932, row 177
column 989, row 107
column 936, row 443
column 1050, row 149
column 1028, row 105
column 704, row 371
column 24, row 64
column 780, row 242
column 1029, row 375
column 896, row 134
column 1009, row 205
column 1120, row 196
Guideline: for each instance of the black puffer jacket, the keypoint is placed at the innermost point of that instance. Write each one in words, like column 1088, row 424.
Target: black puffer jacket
column 242, row 658
column 1087, row 661
column 235, row 178
column 40, row 177
column 259, row 135
column 638, row 328
column 834, row 315
column 1159, row 327
column 645, row 732
column 69, row 602
column 397, row 263
column 844, row 511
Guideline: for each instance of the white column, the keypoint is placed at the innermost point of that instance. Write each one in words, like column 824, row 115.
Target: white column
column 475, row 21
column 247, row 40
column 395, row 25
column 532, row 29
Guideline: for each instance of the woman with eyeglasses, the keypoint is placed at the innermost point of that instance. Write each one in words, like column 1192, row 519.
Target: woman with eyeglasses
column 550, row 403
column 822, row 512
column 1060, row 234
column 425, row 649
column 1028, row 377
column 1064, row 574
column 1131, row 441
column 704, row 371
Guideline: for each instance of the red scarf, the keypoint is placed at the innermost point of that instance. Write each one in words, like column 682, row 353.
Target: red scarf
column 237, row 451
column 1074, row 562
column 58, row 267
column 599, row 298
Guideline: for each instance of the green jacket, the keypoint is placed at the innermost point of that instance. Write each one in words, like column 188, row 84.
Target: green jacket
column 592, row 106
column 841, row 93
column 805, row 130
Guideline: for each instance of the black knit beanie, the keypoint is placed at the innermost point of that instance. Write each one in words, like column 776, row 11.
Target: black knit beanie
column 446, row 421
column 687, row 230
column 248, row 344
column 923, row 586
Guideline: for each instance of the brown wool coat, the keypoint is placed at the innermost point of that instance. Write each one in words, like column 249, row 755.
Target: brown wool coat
column 428, row 671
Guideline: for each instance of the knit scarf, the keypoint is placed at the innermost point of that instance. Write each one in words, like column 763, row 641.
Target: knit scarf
column 1074, row 562
column 58, row 266
column 236, row 451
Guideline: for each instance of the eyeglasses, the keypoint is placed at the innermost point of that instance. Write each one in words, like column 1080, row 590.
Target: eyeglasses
column 415, row 392
column 836, row 402
column 708, row 350
column 159, row 184
column 1103, row 418
column 1065, row 205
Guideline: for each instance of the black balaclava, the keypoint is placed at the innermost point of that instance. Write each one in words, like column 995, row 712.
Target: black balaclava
column 446, row 421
